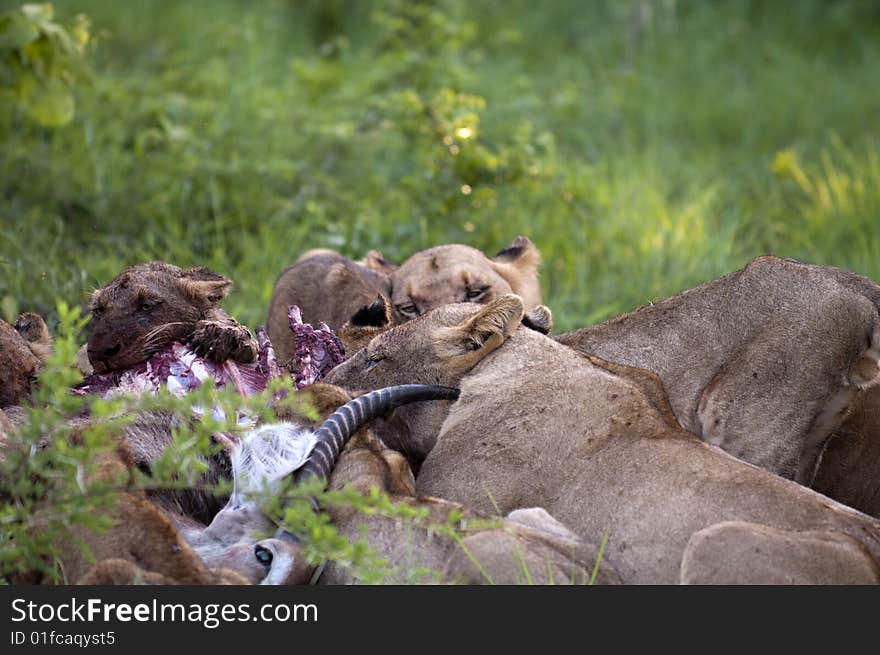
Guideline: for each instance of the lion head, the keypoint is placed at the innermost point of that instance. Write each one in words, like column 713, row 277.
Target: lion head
column 148, row 306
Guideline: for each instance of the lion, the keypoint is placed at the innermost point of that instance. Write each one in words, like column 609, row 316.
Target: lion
column 764, row 362
column 327, row 287
column 375, row 318
column 24, row 349
column 526, row 546
column 157, row 545
column 141, row 535
column 331, row 288
column 150, row 305
column 597, row 445
column 143, row 310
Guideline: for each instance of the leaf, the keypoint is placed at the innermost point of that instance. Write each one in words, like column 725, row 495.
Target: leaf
column 9, row 308
column 8, row 72
column 38, row 12
column 50, row 102
column 80, row 30
column 16, row 31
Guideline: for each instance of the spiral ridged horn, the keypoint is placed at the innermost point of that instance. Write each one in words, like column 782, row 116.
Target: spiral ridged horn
column 335, row 432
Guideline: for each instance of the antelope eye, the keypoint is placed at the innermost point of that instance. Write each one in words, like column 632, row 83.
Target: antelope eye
column 473, row 294
column 263, row 555
column 408, row 309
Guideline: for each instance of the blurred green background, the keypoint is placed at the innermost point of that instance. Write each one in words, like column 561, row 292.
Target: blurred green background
column 644, row 146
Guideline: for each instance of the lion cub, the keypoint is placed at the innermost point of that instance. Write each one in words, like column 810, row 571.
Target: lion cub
column 149, row 306
column 24, row 348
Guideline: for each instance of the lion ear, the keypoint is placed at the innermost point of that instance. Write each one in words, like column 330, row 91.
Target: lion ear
column 366, row 323
column 377, row 314
column 375, row 261
column 203, row 286
column 463, row 345
column 518, row 265
column 539, row 319
column 33, row 328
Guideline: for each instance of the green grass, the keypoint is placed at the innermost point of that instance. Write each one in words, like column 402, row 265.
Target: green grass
column 644, row 146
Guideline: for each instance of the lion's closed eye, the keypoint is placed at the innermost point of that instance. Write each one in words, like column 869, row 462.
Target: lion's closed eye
column 475, row 293
column 408, row 309
column 146, row 301
column 373, row 360
column 149, row 305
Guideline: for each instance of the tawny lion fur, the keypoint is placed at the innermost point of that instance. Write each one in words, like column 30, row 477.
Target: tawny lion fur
column 331, row 288
column 599, row 447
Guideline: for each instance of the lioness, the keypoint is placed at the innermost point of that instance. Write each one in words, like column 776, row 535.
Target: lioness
column 376, row 317
column 144, row 309
column 23, row 351
column 525, row 546
column 148, row 306
column 24, row 348
column 140, row 535
column 764, row 362
column 331, row 288
column 599, row 447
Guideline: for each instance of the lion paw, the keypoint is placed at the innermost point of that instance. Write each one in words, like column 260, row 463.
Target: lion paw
column 219, row 341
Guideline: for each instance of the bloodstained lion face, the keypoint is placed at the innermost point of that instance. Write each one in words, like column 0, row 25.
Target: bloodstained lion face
column 146, row 308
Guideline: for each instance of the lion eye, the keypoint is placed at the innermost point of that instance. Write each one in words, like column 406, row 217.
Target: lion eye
column 473, row 294
column 373, row 360
column 408, row 309
column 148, row 306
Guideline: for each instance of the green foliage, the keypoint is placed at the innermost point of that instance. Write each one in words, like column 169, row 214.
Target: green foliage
column 837, row 198
column 46, row 487
column 52, row 485
column 40, row 61
column 644, row 146
column 632, row 141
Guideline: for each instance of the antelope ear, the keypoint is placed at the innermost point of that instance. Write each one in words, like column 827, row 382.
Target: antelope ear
column 203, row 286
column 463, row 345
column 375, row 261
column 518, row 265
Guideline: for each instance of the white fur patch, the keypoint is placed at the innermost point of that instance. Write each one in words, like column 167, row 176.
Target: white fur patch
column 265, row 455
